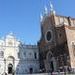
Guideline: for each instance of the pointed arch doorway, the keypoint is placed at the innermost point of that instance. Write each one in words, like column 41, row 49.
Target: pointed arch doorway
column 51, row 62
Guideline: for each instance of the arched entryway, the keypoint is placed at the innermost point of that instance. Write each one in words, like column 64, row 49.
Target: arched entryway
column 51, row 62
column 10, row 65
column 10, row 68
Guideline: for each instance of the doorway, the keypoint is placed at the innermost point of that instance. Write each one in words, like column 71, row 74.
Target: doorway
column 51, row 66
column 10, row 69
column 31, row 70
column 51, row 62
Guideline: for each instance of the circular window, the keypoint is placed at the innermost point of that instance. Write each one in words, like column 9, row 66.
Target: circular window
column 48, row 36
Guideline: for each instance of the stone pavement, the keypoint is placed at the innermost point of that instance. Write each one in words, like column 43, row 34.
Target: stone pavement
column 56, row 73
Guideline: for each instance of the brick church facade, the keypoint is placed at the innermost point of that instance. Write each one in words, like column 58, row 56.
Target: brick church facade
column 55, row 50
column 57, row 42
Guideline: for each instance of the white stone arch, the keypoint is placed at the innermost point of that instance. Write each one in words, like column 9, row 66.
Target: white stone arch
column 10, row 60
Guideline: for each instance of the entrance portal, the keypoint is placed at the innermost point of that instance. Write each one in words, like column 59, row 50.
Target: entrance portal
column 31, row 70
column 51, row 66
column 51, row 62
column 10, row 69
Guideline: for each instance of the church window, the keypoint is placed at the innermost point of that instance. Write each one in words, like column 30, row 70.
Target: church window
column 24, row 53
column 73, row 46
column 48, row 36
column 30, row 53
column 60, row 34
column 35, row 55
column 61, row 20
column 66, row 21
column 1, row 53
column 19, row 55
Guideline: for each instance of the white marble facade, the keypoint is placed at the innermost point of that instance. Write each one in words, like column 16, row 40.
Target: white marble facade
column 16, row 57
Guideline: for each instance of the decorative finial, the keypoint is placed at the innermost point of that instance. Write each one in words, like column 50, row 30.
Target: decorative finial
column 51, row 8
column 46, row 10
column 41, row 17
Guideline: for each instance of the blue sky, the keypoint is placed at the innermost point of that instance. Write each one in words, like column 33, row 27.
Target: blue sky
column 22, row 17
